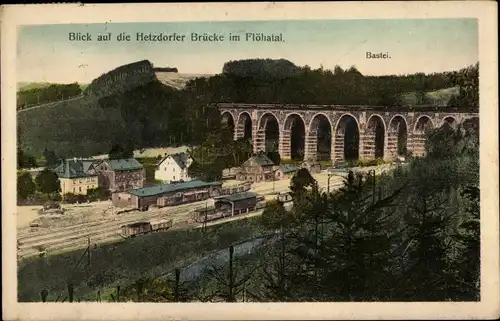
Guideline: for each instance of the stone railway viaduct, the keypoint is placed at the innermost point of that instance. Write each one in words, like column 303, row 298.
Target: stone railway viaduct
column 403, row 126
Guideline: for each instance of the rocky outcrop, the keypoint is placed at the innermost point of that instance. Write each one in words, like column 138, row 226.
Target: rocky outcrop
column 122, row 79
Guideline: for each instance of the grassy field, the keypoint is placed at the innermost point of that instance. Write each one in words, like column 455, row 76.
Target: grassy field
column 437, row 98
column 124, row 262
column 59, row 126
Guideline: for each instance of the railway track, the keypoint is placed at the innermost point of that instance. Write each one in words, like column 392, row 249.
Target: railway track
column 76, row 236
column 123, row 218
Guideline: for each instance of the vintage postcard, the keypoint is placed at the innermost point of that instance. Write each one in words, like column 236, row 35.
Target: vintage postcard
column 250, row 161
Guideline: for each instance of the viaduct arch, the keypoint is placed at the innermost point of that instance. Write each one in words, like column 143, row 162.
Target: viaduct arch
column 339, row 133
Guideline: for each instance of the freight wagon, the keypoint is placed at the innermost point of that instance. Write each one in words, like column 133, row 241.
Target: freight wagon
column 138, row 228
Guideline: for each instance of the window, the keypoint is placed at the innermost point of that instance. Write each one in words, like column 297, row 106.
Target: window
column 80, row 189
column 174, row 178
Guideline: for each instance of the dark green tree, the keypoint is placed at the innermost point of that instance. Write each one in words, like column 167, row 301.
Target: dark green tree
column 50, row 158
column 25, row 185
column 118, row 151
column 25, row 160
column 47, row 182
column 299, row 182
column 274, row 156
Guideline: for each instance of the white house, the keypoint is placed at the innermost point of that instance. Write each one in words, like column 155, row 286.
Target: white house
column 173, row 168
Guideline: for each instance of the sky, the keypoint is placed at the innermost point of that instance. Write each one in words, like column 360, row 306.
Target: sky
column 45, row 53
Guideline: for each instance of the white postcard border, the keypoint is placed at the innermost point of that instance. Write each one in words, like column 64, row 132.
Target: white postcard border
column 484, row 11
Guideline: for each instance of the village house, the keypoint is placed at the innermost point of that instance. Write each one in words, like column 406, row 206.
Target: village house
column 77, row 176
column 286, row 171
column 313, row 166
column 174, row 168
column 256, row 169
column 118, row 175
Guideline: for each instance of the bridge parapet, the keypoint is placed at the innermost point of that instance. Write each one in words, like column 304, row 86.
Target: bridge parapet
column 419, row 108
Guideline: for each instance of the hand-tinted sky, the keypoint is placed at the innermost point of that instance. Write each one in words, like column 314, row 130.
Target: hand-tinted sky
column 430, row 45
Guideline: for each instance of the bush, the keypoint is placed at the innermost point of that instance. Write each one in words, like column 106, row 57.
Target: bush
column 366, row 162
column 71, row 198
column 98, row 194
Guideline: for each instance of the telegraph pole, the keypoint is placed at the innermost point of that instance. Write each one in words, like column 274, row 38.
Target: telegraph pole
column 205, row 221
column 88, row 255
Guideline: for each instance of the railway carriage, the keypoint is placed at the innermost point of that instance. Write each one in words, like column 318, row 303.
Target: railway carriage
column 139, row 228
column 133, row 229
column 161, row 225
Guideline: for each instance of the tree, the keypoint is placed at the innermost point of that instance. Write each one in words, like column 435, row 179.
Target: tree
column 275, row 284
column 299, row 182
column 230, row 280
column 25, row 185
column 25, row 160
column 50, row 158
column 274, row 215
column 118, row 151
column 448, row 142
column 47, row 182
column 274, row 156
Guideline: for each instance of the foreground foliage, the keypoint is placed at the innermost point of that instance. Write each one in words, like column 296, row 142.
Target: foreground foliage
column 412, row 235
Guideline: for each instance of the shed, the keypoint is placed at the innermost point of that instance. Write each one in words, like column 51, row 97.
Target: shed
column 237, row 203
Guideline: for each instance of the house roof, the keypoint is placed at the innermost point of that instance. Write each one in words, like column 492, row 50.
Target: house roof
column 180, row 158
column 74, row 168
column 237, row 197
column 260, row 159
column 169, row 188
column 124, row 164
column 289, row 168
